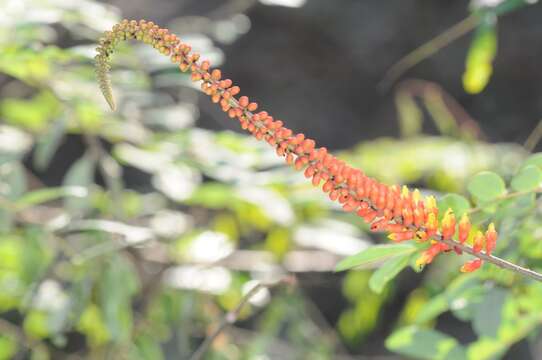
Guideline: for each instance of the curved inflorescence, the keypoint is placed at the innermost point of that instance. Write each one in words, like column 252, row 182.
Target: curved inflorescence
column 399, row 211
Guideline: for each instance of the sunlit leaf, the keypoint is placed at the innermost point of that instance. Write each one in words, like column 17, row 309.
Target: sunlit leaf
column 457, row 203
column 421, row 343
column 117, row 287
column 387, row 272
column 91, row 324
column 48, row 143
column 36, row 324
column 13, row 179
column 147, row 348
column 40, row 196
column 528, row 178
column 479, row 63
column 33, row 114
column 212, row 195
column 8, row 347
column 487, row 317
column 375, row 254
column 534, row 159
column 486, row 186
column 81, row 174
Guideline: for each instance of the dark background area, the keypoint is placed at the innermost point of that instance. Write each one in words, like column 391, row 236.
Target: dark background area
column 318, row 66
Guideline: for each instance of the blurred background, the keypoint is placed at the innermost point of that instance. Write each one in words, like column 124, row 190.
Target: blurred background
column 130, row 234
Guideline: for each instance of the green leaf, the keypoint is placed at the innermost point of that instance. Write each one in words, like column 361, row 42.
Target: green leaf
column 48, row 143
column 213, row 195
column 33, row 114
column 35, row 324
column 375, row 254
column 421, row 343
column 510, row 5
column 387, row 272
column 486, row 186
column 14, row 179
column 433, row 308
column 459, row 204
column 528, row 178
column 479, row 64
column 81, row 173
column 118, row 285
column 8, row 347
column 534, row 159
column 44, row 195
column 147, row 348
column 92, row 325
column 488, row 314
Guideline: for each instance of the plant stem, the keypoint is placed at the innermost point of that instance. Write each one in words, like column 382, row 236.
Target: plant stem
column 494, row 260
column 231, row 317
column 504, row 197
column 534, row 137
column 428, row 49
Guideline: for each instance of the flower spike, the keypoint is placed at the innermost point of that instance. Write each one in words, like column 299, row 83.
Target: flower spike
column 403, row 213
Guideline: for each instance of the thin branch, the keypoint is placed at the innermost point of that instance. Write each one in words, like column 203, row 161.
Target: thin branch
column 504, row 197
column 494, row 260
column 428, row 91
column 231, row 316
column 534, row 137
column 428, row 49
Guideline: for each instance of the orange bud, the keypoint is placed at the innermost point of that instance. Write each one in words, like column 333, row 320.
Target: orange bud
column 431, row 224
column 351, row 205
column 243, row 101
column 379, row 224
column 252, row 106
column 370, row 216
column 216, row 74
column 491, row 238
column 393, row 228
column 431, row 205
column 363, row 209
column 309, row 171
column 448, row 224
column 471, row 265
column 464, row 228
column 401, row 236
column 408, row 218
column 421, row 236
column 428, row 255
column 479, row 240
column 328, row 186
column 418, row 217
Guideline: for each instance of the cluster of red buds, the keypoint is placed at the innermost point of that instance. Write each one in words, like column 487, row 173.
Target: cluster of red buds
column 399, row 211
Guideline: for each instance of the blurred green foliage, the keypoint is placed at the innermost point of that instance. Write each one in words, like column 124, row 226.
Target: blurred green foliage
column 101, row 264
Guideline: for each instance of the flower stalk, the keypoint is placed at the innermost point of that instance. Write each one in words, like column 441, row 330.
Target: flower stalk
column 401, row 212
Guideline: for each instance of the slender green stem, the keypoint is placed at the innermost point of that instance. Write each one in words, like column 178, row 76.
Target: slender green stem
column 510, row 195
column 429, row 48
column 494, row 260
column 231, row 317
column 534, row 137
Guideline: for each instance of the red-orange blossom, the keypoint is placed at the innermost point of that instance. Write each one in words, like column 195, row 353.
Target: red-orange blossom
column 399, row 211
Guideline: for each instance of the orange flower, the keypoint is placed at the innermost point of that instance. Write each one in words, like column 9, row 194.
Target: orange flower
column 479, row 242
column 464, row 228
column 448, row 224
column 491, row 238
column 471, row 265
